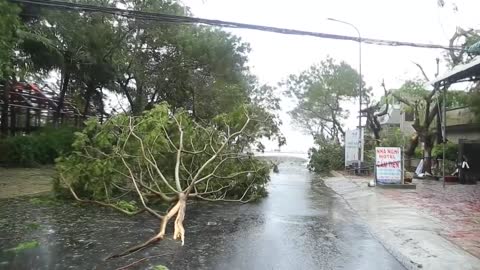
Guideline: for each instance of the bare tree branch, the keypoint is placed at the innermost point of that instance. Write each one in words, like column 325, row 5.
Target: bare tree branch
column 179, row 153
column 423, row 71
column 98, row 202
column 219, row 150
column 404, row 101
column 140, row 195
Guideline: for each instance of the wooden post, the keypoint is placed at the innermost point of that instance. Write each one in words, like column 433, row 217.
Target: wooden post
column 27, row 122
column 13, row 121
column 402, row 157
column 38, row 115
column 6, row 101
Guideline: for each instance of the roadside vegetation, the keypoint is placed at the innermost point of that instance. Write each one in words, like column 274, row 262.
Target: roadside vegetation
column 41, row 147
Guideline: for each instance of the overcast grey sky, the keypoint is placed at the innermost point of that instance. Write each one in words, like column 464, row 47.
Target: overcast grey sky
column 275, row 56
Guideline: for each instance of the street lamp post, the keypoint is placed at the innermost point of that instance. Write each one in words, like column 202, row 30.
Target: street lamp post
column 360, row 134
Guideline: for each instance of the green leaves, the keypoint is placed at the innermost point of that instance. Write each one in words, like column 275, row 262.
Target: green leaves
column 128, row 206
column 107, row 158
column 326, row 156
column 319, row 93
column 9, row 24
column 24, row 246
column 40, row 147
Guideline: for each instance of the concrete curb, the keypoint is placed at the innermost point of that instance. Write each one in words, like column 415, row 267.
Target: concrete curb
column 403, row 259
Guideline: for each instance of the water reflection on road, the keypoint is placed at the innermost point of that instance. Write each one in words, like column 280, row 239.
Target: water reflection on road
column 301, row 225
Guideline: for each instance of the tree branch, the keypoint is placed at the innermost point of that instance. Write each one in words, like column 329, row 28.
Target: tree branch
column 179, row 153
column 140, row 195
column 402, row 100
column 98, row 202
column 194, row 180
column 423, row 71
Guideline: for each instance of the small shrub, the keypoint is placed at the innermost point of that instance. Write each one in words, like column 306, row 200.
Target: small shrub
column 328, row 156
column 41, row 147
column 43, row 201
column 451, row 151
column 128, row 206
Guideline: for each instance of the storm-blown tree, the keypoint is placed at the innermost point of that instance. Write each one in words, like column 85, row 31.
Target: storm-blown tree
column 9, row 23
column 198, row 68
column 56, row 46
column 425, row 108
column 374, row 111
column 320, row 92
column 166, row 157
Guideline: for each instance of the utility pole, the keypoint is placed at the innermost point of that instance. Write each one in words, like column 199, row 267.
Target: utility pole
column 360, row 94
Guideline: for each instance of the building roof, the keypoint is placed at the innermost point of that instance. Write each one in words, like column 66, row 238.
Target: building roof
column 470, row 70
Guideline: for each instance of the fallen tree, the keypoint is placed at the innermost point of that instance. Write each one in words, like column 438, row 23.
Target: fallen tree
column 164, row 158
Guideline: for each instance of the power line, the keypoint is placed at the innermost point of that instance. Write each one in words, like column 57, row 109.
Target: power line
column 167, row 18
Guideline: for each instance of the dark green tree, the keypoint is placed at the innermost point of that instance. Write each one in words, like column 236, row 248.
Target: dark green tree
column 9, row 24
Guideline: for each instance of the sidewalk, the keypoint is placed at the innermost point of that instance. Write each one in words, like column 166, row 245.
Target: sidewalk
column 25, row 181
column 426, row 228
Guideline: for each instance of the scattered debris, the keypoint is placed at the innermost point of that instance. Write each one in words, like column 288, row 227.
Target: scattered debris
column 24, row 246
column 330, row 235
column 160, row 267
column 32, row 226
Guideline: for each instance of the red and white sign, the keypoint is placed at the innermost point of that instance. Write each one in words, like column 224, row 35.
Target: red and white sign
column 388, row 162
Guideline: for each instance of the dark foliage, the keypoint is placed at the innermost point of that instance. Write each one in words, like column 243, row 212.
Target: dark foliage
column 39, row 148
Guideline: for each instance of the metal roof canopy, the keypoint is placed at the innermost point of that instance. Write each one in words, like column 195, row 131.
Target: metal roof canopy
column 465, row 72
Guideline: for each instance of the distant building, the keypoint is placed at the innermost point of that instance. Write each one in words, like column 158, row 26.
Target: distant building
column 461, row 122
column 398, row 117
column 462, row 125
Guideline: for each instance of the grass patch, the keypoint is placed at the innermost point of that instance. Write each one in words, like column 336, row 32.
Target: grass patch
column 44, row 201
column 25, row 246
column 160, row 267
column 32, row 226
column 128, row 206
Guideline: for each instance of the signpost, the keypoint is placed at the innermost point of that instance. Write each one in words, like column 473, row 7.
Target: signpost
column 388, row 165
column 351, row 147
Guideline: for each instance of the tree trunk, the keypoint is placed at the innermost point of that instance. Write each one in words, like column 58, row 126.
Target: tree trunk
column 427, row 154
column 179, row 230
column 101, row 105
column 6, row 101
column 410, row 151
column 439, row 132
column 28, row 121
column 88, row 97
column 139, row 101
column 124, row 87
column 178, row 209
column 61, row 99
column 13, row 121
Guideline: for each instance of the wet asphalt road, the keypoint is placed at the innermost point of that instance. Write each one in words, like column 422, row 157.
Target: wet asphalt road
column 301, row 225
